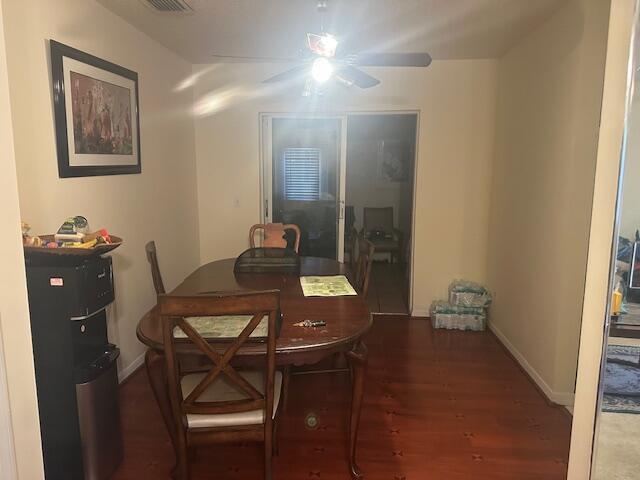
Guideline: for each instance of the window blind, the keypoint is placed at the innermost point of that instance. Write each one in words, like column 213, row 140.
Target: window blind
column 302, row 174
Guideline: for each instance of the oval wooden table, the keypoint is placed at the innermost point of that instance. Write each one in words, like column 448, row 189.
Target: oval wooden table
column 348, row 320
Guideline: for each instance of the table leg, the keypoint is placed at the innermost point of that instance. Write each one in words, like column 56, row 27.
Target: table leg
column 157, row 374
column 358, row 362
column 286, row 378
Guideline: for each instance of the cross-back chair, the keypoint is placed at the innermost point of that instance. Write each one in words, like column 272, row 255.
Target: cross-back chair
column 274, row 235
column 221, row 403
column 366, row 250
column 152, row 257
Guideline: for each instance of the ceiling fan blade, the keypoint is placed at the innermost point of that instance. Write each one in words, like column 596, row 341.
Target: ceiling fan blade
column 295, row 73
column 355, row 76
column 392, row 59
column 242, row 58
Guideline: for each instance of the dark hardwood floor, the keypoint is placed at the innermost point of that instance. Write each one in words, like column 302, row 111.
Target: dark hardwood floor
column 388, row 288
column 439, row 405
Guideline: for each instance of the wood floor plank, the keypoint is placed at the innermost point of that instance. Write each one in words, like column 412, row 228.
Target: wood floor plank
column 439, row 405
column 390, row 287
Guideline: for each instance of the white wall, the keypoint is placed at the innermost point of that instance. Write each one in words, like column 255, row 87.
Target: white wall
column 456, row 100
column 158, row 204
column 550, row 89
column 20, row 451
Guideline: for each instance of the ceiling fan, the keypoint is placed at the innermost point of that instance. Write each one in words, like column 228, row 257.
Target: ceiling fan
column 322, row 61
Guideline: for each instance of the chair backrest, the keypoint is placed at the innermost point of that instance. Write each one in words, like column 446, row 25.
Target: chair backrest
column 366, row 249
column 353, row 246
column 152, row 257
column 274, row 235
column 175, row 310
column 349, row 217
column 374, row 218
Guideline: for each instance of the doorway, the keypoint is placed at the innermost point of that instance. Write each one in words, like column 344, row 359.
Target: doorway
column 341, row 176
column 381, row 149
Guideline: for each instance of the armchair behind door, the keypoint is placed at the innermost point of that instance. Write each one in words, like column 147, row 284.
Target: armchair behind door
column 381, row 220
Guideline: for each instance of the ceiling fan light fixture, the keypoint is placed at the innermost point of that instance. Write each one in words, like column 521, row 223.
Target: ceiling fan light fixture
column 324, row 61
column 324, row 45
column 321, row 70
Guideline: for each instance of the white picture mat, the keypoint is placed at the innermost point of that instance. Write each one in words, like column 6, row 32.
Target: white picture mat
column 78, row 160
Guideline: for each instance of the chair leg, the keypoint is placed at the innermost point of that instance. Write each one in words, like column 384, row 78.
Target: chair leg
column 286, row 377
column 182, row 470
column 276, row 443
column 268, row 453
column 339, row 361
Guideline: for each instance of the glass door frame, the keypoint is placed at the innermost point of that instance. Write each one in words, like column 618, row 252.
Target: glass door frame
column 266, row 165
column 266, row 169
column 618, row 80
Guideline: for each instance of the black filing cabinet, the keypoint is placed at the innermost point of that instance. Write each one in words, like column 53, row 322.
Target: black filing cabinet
column 75, row 365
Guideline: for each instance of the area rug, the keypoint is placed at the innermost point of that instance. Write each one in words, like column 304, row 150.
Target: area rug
column 622, row 380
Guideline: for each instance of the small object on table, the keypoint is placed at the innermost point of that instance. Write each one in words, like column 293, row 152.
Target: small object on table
column 102, row 236
column 30, row 241
column 89, row 244
column 73, row 229
column 74, row 234
column 27, row 239
column 311, row 323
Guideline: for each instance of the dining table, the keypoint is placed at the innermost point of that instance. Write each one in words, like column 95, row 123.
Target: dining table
column 347, row 318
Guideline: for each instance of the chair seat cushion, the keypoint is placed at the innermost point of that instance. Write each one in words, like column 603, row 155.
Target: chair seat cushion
column 224, row 390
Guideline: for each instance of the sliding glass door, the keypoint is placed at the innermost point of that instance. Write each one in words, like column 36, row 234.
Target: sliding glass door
column 304, row 179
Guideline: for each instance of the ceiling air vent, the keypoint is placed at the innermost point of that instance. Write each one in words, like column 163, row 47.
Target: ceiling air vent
column 169, row 6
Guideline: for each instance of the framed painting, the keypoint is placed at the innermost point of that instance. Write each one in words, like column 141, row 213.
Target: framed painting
column 394, row 162
column 95, row 106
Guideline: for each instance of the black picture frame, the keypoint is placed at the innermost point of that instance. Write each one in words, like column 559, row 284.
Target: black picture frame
column 65, row 170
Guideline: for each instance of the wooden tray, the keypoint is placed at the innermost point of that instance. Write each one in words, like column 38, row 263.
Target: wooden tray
column 76, row 252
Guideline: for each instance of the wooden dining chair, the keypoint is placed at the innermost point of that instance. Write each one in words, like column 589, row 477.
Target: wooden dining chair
column 274, row 235
column 353, row 248
column 221, row 403
column 364, row 264
column 152, row 257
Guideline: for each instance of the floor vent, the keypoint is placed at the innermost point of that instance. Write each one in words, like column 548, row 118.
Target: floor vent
column 169, row 6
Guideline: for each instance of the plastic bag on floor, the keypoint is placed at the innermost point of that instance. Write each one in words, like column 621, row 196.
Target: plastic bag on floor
column 442, row 306
column 457, row 321
column 457, row 317
column 468, row 293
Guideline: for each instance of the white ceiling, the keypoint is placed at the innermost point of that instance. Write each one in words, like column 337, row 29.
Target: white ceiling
column 444, row 28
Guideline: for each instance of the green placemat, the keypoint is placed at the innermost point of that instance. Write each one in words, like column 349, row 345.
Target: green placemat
column 224, row 326
column 326, row 286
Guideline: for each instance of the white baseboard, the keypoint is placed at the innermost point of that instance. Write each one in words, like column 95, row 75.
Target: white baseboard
column 560, row 398
column 420, row 312
column 129, row 369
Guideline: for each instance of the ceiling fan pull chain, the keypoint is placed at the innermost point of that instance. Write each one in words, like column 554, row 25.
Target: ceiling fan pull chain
column 322, row 8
